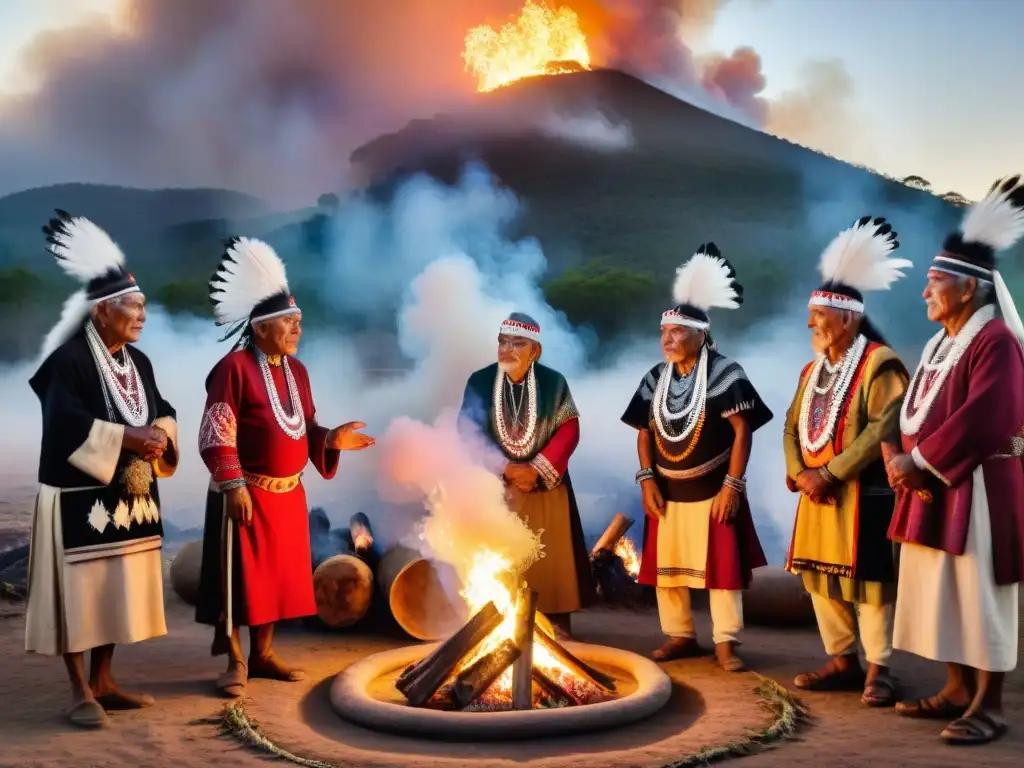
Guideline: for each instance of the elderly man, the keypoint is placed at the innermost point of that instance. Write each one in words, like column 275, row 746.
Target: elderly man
column 96, row 578
column 258, row 432
column 846, row 405
column 959, row 482
column 695, row 414
column 527, row 411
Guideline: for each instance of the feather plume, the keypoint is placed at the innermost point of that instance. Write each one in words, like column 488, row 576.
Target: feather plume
column 250, row 271
column 83, row 250
column 998, row 220
column 707, row 280
column 859, row 256
column 75, row 310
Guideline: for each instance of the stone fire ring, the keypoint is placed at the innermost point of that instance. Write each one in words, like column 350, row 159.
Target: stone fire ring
column 351, row 700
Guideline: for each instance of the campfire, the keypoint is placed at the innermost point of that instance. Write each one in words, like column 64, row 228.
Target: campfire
column 504, row 659
column 541, row 41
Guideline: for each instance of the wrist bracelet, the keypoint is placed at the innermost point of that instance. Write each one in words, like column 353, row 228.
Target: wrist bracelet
column 644, row 474
column 823, row 471
column 737, row 484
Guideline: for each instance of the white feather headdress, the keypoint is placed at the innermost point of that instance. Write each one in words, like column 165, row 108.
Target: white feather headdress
column 704, row 282
column 993, row 224
column 251, row 277
column 998, row 220
column 88, row 254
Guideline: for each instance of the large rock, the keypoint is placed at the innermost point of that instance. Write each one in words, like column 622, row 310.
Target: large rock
column 777, row 598
column 185, row 570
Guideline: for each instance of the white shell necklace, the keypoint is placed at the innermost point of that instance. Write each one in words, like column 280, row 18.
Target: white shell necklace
column 845, row 370
column 520, row 446
column 121, row 383
column 293, row 425
column 921, row 395
column 692, row 412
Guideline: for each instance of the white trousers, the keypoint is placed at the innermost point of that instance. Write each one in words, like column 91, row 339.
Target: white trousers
column 677, row 617
column 839, row 620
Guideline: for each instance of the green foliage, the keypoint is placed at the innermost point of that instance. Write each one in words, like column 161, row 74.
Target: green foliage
column 603, row 297
column 184, row 297
column 19, row 286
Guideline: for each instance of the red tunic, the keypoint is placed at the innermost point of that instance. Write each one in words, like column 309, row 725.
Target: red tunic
column 974, row 420
column 240, row 433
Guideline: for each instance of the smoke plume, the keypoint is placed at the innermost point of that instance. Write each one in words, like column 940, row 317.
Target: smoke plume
column 270, row 97
column 451, row 281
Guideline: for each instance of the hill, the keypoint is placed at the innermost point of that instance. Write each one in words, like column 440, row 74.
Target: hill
column 690, row 176
column 615, row 218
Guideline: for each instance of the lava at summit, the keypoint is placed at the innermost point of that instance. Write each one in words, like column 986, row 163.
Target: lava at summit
column 540, row 41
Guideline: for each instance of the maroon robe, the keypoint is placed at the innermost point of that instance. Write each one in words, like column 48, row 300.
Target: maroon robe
column 272, row 577
column 974, row 422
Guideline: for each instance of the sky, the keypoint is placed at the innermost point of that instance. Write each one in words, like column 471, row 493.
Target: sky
column 937, row 82
column 937, row 92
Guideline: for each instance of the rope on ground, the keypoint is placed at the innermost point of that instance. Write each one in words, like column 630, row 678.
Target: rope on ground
column 787, row 711
column 788, row 714
column 235, row 722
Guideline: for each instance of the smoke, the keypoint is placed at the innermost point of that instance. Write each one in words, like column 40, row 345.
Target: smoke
column 593, row 131
column 271, row 97
column 458, row 476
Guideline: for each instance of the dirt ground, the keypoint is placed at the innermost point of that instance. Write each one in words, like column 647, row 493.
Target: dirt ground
column 709, row 707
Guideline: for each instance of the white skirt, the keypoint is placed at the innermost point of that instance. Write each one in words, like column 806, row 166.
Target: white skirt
column 76, row 606
column 949, row 608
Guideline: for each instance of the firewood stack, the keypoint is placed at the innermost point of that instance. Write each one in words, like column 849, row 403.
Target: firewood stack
column 615, row 585
column 466, row 671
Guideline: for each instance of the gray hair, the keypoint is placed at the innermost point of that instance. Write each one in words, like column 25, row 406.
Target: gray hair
column 984, row 291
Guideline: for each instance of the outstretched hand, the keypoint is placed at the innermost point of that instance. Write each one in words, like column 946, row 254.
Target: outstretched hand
column 347, row 438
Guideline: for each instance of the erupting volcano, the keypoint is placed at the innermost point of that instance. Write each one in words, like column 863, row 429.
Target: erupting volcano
column 541, row 41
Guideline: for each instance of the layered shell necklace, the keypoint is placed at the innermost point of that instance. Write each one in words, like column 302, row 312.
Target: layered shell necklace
column 523, row 420
column 690, row 413
column 823, row 416
column 940, row 356
column 294, row 424
column 121, row 383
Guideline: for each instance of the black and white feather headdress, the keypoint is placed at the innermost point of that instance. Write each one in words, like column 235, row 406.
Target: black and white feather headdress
column 88, row 254
column 704, row 282
column 857, row 261
column 989, row 226
column 249, row 286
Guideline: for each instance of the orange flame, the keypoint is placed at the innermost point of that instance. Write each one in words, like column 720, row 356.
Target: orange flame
column 630, row 559
column 539, row 42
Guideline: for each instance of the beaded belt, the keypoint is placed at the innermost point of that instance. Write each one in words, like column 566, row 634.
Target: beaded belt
column 272, row 484
column 699, row 471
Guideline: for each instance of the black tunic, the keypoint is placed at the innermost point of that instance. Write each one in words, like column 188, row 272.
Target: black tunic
column 70, row 391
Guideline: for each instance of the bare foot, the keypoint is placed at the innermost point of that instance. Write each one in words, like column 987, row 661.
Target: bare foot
column 272, row 668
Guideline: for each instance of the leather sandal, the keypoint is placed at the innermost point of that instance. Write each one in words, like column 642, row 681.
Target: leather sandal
column 934, row 708
column 881, row 691
column 88, row 714
column 232, row 682
column 832, row 678
column 980, row 728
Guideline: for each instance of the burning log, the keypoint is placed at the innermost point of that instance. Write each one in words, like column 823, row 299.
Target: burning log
column 419, row 683
column 343, row 588
column 558, row 696
column 600, row 680
column 615, row 531
column 616, row 582
column 522, row 670
column 479, row 675
column 362, row 534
